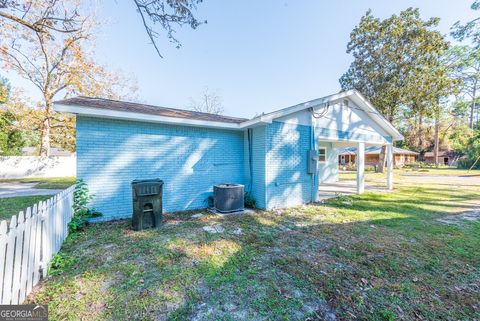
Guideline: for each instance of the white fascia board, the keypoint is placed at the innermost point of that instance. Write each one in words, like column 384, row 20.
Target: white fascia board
column 268, row 118
column 115, row 114
column 362, row 102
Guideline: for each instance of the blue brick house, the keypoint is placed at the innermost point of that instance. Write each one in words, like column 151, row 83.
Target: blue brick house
column 281, row 157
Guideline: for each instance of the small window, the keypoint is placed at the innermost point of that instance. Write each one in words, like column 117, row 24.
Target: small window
column 322, row 154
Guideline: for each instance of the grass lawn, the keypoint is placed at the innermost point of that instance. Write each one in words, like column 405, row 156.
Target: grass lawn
column 10, row 206
column 376, row 256
column 46, row 182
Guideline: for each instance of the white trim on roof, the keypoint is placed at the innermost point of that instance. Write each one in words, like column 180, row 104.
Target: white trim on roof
column 125, row 115
column 356, row 97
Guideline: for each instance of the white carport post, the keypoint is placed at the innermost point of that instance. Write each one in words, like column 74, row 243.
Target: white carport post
column 360, row 168
column 390, row 166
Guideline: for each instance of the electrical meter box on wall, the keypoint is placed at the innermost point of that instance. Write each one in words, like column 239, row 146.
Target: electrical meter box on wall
column 312, row 161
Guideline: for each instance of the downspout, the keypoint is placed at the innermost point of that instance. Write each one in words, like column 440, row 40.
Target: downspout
column 313, row 147
column 250, row 159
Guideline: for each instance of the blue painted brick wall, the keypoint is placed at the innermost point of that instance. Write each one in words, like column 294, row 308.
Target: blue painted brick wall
column 258, row 165
column 190, row 160
column 287, row 180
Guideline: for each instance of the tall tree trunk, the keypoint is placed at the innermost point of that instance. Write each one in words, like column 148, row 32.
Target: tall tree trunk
column 45, row 134
column 383, row 152
column 381, row 159
column 420, row 131
column 436, row 139
column 473, row 106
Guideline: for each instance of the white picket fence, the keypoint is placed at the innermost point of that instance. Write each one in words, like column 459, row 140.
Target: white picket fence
column 29, row 242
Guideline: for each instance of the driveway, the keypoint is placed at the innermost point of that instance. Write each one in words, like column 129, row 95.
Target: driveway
column 349, row 187
column 440, row 179
column 332, row 190
column 13, row 189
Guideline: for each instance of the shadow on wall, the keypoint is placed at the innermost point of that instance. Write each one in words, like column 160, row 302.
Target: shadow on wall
column 287, row 180
column 189, row 160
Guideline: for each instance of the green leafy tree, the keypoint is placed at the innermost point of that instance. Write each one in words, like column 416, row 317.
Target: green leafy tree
column 11, row 139
column 470, row 30
column 58, row 66
column 397, row 64
column 465, row 64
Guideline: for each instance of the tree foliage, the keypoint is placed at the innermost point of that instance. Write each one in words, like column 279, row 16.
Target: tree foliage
column 61, row 17
column 4, row 90
column 60, row 65
column 395, row 60
column 470, row 30
column 11, row 139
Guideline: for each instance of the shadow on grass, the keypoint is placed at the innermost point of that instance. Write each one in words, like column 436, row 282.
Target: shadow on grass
column 317, row 261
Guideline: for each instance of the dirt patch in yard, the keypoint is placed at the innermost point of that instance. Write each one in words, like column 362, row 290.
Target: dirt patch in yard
column 460, row 218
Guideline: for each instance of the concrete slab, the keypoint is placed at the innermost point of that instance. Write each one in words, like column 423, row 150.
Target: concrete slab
column 332, row 190
column 14, row 189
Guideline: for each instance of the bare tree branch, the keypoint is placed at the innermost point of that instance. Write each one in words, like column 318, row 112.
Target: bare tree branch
column 167, row 13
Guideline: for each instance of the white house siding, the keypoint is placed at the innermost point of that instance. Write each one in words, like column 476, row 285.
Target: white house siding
column 341, row 123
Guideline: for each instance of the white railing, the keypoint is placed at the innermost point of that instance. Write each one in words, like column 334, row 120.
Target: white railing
column 28, row 243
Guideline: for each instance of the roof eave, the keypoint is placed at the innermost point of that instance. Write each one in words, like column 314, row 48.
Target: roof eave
column 115, row 114
column 268, row 118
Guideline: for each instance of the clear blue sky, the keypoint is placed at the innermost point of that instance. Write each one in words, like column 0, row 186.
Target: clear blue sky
column 258, row 55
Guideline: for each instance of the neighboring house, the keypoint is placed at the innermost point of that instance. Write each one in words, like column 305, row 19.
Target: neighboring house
column 273, row 155
column 346, row 156
column 445, row 157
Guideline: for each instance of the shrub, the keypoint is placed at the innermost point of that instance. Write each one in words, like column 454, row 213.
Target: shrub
column 250, row 201
column 81, row 212
column 60, row 262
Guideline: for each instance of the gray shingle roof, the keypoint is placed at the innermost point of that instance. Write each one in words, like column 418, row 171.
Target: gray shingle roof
column 102, row 103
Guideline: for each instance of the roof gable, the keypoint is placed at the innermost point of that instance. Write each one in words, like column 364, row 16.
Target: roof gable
column 354, row 95
column 105, row 108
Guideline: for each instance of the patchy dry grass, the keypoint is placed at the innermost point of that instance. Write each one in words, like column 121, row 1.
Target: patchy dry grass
column 378, row 256
column 45, row 182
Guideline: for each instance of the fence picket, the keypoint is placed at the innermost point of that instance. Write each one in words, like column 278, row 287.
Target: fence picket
column 18, row 257
column 25, row 254
column 3, row 252
column 29, row 242
column 31, row 256
column 9, row 267
column 38, row 244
